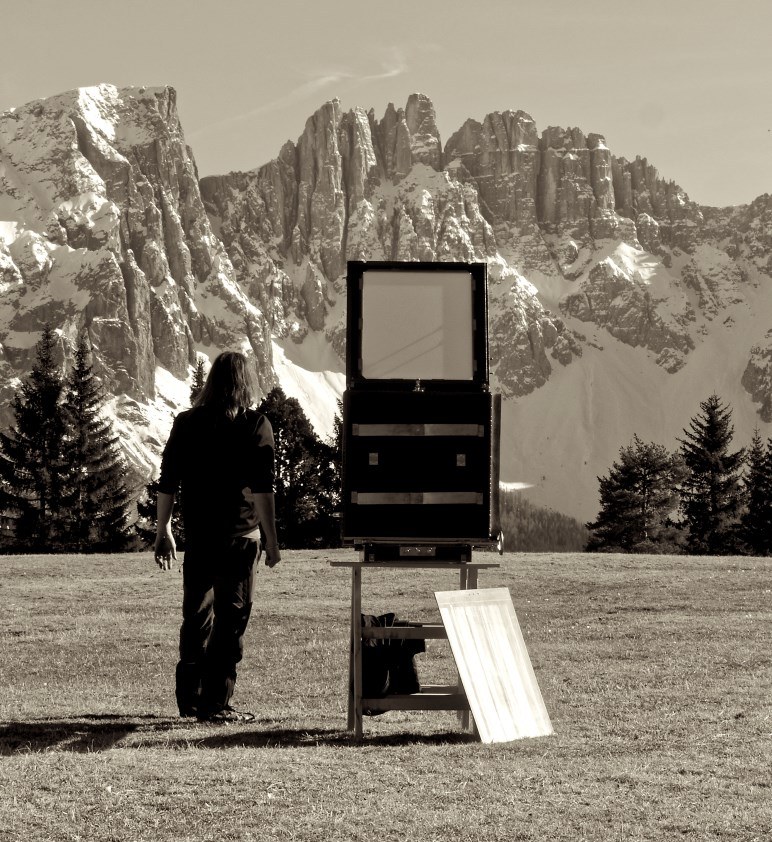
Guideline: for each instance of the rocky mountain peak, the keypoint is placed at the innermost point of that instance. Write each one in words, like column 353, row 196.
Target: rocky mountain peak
column 421, row 121
column 599, row 270
column 104, row 231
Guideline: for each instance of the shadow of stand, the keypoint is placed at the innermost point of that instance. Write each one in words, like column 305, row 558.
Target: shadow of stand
column 100, row 732
column 291, row 738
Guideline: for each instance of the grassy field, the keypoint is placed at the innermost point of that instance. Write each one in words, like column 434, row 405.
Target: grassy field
column 656, row 672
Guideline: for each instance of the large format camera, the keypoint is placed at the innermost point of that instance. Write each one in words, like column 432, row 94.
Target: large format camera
column 420, row 426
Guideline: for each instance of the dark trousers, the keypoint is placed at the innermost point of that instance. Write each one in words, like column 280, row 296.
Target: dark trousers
column 218, row 578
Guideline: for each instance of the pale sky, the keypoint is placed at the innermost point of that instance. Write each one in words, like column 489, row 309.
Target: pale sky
column 685, row 83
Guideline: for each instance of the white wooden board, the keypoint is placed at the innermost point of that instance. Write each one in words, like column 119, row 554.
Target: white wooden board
column 493, row 664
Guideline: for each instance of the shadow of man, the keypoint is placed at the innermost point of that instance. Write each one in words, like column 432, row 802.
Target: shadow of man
column 100, row 732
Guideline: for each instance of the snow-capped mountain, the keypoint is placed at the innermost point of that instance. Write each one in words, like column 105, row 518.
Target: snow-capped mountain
column 616, row 303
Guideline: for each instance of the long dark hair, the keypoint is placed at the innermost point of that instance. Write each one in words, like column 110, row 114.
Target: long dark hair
column 228, row 386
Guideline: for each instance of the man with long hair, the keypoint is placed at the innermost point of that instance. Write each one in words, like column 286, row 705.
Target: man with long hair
column 220, row 453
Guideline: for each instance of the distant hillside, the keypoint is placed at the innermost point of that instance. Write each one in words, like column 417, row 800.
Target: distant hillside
column 531, row 528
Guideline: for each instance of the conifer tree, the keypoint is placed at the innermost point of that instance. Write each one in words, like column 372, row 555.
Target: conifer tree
column 336, row 456
column 97, row 500
column 756, row 520
column 637, row 499
column 33, row 472
column 711, row 491
column 147, row 509
column 306, row 489
column 198, row 381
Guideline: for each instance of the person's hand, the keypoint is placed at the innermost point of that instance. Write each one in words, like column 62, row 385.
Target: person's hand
column 165, row 550
column 272, row 555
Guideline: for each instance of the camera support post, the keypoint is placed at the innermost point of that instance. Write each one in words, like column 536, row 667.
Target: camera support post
column 430, row 697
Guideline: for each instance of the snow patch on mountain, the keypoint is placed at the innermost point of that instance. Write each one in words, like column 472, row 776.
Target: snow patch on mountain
column 143, row 426
column 311, row 373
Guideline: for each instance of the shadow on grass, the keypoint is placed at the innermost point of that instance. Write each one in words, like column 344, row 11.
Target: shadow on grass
column 99, row 732
column 292, row 738
column 90, row 732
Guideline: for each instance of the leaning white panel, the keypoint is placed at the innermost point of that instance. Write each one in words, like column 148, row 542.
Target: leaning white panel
column 493, row 664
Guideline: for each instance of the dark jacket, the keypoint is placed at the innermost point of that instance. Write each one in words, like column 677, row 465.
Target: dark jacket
column 218, row 463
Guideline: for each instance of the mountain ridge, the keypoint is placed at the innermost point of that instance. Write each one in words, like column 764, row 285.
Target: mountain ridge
column 600, row 272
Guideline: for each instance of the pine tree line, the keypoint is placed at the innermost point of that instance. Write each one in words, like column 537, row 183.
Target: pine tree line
column 704, row 499
column 63, row 477
column 62, row 474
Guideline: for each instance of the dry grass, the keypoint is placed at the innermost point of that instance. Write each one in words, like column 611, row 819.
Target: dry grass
column 657, row 674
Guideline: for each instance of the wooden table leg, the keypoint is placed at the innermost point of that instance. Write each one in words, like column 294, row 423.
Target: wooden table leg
column 471, row 585
column 351, row 662
column 356, row 634
column 463, row 715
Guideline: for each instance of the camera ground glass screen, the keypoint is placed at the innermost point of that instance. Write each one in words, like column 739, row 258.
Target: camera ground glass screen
column 417, row 325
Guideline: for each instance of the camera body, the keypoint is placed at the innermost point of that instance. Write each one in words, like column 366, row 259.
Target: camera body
column 421, row 430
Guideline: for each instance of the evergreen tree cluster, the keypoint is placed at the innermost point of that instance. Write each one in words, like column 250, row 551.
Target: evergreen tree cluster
column 307, row 475
column 704, row 499
column 147, row 516
column 307, row 478
column 532, row 529
column 62, row 474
